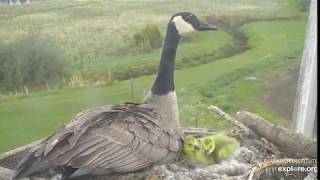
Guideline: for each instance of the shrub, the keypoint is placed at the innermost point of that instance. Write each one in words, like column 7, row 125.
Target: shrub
column 34, row 62
column 147, row 39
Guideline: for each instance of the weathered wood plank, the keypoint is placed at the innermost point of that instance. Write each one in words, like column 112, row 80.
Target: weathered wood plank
column 305, row 108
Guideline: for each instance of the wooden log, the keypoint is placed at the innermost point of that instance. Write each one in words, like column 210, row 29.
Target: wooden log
column 288, row 141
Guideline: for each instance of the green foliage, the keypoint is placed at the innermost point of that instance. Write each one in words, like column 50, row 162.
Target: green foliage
column 147, row 39
column 33, row 61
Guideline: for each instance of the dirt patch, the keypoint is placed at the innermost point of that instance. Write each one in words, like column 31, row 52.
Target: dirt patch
column 280, row 92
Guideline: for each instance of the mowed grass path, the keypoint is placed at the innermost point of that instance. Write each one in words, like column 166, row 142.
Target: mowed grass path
column 24, row 119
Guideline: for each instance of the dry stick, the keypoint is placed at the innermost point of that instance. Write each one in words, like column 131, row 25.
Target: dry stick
column 260, row 166
column 267, row 144
column 199, row 131
column 231, row 120
column 248, row 131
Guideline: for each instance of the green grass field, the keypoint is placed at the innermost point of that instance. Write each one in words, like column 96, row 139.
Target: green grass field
column 206, row 44
column 273, row 45
column 92, row 30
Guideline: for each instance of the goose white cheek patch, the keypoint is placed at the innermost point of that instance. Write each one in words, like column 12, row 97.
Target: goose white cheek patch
column 182, row 26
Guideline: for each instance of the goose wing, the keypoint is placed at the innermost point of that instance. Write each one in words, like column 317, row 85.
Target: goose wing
column 123, row 138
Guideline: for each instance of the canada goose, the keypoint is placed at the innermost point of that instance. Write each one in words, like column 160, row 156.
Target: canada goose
column 125, row 137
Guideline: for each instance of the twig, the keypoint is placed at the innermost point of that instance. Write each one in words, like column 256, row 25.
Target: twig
column 231, row 120
column 199, row 131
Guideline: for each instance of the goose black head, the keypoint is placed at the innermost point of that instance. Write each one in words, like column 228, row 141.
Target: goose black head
column 186, row 22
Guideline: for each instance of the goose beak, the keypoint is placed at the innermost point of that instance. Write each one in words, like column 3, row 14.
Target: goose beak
column 206, row 27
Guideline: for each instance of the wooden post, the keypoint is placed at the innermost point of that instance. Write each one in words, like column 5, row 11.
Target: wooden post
column 131, row 88
column 305, row 108
column 109, row 75
column 26, row 89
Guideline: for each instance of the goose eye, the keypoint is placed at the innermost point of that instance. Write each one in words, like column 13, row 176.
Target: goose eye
column 189, row 17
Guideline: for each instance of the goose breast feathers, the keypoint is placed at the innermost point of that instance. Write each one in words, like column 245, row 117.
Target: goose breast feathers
column 122, row 138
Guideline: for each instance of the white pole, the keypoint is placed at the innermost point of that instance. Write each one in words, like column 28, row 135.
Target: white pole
column 305, row 109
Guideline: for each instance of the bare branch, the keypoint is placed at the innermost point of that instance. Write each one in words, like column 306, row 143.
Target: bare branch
column 231, row 120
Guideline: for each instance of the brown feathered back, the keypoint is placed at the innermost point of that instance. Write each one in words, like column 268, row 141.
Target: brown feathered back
column 122, row 138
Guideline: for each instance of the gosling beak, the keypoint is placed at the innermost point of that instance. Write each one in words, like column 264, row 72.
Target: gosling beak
column 208, row 152
column 206, row 27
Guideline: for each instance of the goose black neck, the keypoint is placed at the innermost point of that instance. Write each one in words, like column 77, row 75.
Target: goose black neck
column 164, row 82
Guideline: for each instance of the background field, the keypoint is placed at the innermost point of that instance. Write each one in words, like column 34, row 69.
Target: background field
column 93, row 32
